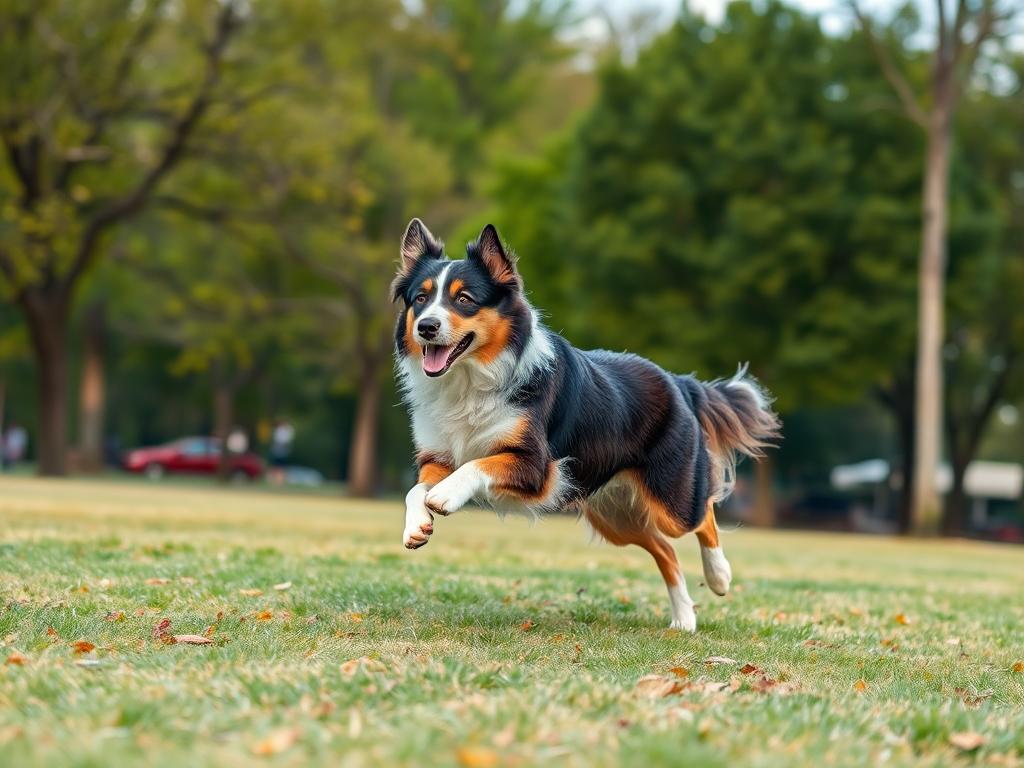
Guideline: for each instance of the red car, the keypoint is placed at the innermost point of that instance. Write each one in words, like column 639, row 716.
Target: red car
column 190, row 455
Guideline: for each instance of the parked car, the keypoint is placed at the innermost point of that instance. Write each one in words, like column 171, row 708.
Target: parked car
column 190, row 455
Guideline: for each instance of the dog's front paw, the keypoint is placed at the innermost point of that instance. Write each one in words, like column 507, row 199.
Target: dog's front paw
column 451, row 494
column 419, row 525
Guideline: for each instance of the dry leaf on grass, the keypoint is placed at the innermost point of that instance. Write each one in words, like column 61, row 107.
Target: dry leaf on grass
column 250, row 592
column 115, row 616
column 680, row 671
column 264, row 616
column 749, row 669
column 860, row 686
column 476, row 757
column 657, row 686
column 158, row 581
column 356, row 617
column 161, row 628
column 968, row 741
column 973, row 700
column 283, row 586
column 83, row 646
column 1018, row 667
column 51, row 632
column 17, row 660
column 716, row 660
column 527, row 625
column 901, row 618
column 192, row 639
column 276, row 742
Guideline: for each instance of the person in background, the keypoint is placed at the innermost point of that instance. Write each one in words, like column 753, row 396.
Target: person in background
column 238, row 441
column 280, row 449
column 13, row 444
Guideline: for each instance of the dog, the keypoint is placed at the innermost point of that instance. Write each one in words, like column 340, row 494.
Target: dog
column 507, row 413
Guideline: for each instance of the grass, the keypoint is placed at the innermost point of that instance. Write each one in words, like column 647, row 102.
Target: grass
column 500, row 643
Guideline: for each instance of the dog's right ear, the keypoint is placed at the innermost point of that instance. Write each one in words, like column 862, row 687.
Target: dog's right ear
column 417, row 244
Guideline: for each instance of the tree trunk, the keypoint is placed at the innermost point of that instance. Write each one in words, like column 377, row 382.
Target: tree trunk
column 46, row 315
column 931, row 301
column 764, row 495
column 362, row 460
column 92, row 391
column 223, row 420
column 954, row 522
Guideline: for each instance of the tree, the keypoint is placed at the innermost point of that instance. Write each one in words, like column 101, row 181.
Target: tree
column 88, row 142
column 959, row 41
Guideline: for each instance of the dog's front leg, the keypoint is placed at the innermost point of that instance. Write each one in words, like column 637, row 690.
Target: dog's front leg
column 520, row 475
column 419, row 523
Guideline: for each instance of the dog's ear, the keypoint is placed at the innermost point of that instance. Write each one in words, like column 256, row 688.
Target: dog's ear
column 500, row 263
column 417, row 243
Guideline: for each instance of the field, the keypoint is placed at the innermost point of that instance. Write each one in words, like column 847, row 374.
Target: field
column 499, row 643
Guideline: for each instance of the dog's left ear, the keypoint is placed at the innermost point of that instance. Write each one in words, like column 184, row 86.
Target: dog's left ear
column 500, row 263
column 417, row 243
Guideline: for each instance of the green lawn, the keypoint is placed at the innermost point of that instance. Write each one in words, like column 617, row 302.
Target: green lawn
column 499, row 643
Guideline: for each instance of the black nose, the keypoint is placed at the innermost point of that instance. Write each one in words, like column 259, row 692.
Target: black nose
column 429, row 327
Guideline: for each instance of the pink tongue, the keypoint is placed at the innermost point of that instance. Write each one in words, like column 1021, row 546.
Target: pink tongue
column 435, row 357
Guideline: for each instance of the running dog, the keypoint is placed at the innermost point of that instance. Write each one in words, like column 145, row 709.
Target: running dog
column 507, row 413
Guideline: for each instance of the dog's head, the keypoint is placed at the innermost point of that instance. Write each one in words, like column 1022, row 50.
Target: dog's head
column 469, row 310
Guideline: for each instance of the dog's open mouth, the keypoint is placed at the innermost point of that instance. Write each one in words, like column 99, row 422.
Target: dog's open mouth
column 437, row 358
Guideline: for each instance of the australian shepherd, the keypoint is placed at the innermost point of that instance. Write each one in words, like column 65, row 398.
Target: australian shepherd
column 507, row 413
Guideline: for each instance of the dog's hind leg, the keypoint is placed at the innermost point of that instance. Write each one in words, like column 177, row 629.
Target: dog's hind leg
column 620, row 520
column 683, row 615
column 717, row 571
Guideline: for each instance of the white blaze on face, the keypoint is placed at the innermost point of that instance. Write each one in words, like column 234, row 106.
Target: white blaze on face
column 436, row 311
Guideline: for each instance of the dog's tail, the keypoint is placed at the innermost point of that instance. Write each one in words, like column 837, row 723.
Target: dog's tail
column 736, row 417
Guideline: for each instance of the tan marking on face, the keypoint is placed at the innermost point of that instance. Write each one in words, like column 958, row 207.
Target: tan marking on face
column 455, row 287
column 492, row 332
column 410, row 340
column 428, row 284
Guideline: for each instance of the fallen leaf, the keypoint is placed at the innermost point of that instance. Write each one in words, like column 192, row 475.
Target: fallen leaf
column 860, row 686
column 264, row 616
column 161, row 627
column 283, row 586
column 968, row 741
column 901, row 618
column 527, row 625
column 17, row 659
column 356, row 617
column 157, row 581
column 250, row 592
column 192, row 639
column 680, row 671
column 1018, row 667
column 657, row 686
column 749, row 669
column 115, row 616
column 83, row 646
column 476, row 757
column 973, row 700
column 716, row 660
column 88, row 663
column 276, row 742
column 51, row 632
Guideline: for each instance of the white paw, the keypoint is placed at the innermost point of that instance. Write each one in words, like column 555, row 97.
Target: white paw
column 717, row 571
column 686, row 621
column 419, row 523
column 452, row 493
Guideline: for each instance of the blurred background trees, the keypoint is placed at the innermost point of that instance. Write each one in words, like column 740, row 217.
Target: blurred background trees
column 200, row 205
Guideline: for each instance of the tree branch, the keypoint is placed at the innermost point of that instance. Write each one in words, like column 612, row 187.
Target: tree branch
column 899, row 83
column 174, row 149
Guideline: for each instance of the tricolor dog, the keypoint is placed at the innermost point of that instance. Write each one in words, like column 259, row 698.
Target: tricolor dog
column 508, row 414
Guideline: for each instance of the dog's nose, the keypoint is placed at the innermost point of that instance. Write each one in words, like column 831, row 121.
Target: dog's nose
column 428, row 327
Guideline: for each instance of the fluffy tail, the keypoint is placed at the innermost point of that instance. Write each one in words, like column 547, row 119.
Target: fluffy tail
column 736, row 417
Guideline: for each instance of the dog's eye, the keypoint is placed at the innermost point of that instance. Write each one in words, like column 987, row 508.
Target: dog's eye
column 421, row 298
column 464, row 299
